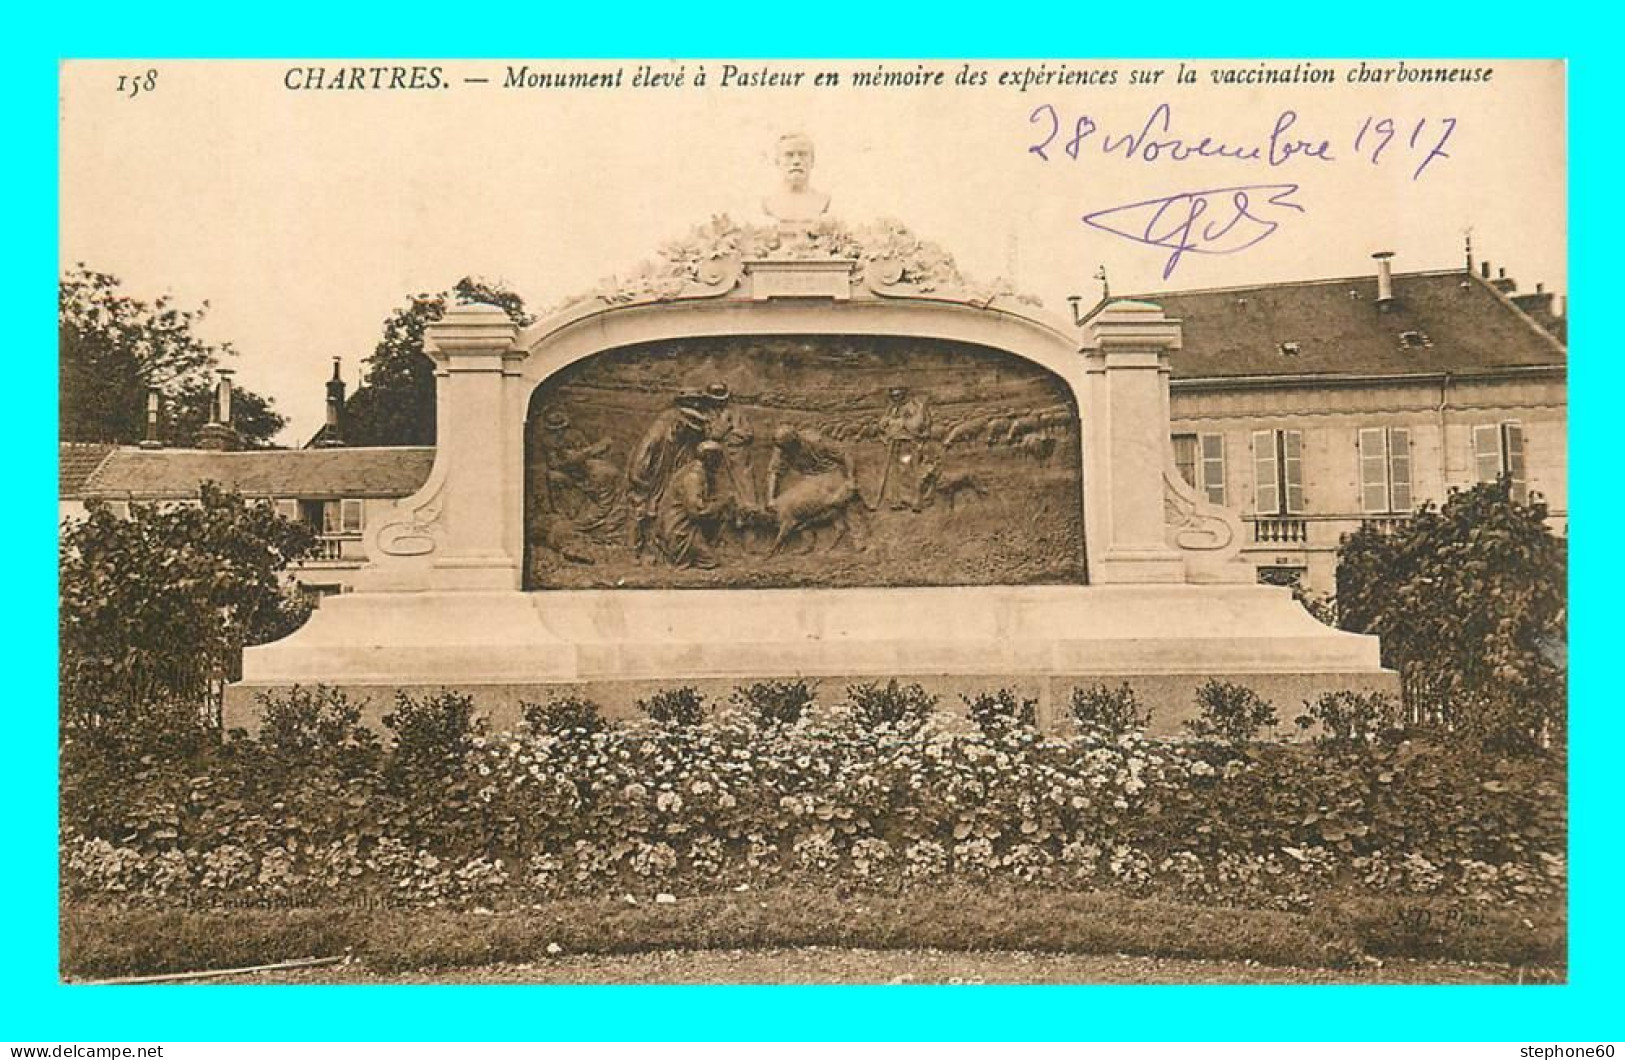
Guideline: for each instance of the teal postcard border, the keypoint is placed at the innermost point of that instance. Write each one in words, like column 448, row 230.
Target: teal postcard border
column 37, row 1008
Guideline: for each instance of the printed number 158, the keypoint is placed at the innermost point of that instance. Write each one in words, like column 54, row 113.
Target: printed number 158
column 133, row 85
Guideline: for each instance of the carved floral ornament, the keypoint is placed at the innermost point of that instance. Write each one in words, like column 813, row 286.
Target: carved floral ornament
column 709, row 261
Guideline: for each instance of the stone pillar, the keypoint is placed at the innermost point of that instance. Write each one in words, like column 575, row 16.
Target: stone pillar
column 479, row 443
column 1126, row 442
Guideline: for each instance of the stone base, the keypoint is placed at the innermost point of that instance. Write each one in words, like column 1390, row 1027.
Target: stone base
column 619, row 645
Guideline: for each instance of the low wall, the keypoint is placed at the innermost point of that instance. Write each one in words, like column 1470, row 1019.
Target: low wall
column 617, row 646
column 1171, row 697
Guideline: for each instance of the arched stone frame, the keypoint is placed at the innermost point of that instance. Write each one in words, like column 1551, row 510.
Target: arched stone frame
column 582, row 530
column 464, row 529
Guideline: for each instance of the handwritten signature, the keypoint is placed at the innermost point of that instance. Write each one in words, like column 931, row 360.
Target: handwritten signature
column 1214, row 221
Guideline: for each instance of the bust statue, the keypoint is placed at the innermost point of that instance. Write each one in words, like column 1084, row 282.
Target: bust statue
column 795, row 203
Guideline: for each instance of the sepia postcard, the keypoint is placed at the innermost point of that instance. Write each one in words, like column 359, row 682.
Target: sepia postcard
column 799, row 521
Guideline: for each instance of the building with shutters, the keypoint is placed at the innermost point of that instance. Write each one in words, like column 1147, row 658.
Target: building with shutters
column 1318, row 407
column 339, row 492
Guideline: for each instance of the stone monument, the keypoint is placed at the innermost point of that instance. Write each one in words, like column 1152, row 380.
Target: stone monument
column 803, row 448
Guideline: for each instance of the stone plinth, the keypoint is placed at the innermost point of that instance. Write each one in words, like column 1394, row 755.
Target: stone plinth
column 615, row 643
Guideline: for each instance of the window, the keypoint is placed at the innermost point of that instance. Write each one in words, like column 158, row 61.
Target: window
column 1291, row 577
column 1385, row 470
column 1498, row 450
column 1200, row 459
column 288, row 509
column 1278, row 472
column 342, row 516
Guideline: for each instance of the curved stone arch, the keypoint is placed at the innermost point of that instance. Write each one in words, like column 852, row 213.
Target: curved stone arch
column 465, row 528
column 555, row 344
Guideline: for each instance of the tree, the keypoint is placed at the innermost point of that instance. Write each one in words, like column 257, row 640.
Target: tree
column 396, row 405
column 112, row 348
column 1471, row 603
column 155, row 609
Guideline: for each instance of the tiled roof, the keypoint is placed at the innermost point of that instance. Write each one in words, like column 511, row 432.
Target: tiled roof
column 75, row 463
column 1438, row 322
column 128, row 472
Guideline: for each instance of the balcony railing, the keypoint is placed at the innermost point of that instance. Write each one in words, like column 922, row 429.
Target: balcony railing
column 1281, row 531
column 336, row 548
column 1384, row 524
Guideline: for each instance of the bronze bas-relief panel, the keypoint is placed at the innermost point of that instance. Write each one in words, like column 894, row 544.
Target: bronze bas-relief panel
column 822, row 461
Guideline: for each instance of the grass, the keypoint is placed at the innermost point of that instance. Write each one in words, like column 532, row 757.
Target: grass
column 108, row 941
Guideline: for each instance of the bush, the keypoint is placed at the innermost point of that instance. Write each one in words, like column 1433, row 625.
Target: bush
column 675, row 707
column 904, row 707
column 307, row 722
column 776, row 702
column 1113, row 711
column 1001, row 714
column 1471, row 603
column 564, row 714
column 433, row 731
column 155, row 610
column 1353, row 717
column 1230, row 713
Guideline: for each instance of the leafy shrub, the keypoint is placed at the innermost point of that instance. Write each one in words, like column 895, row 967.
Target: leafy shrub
column 895, row 706
column 434, row 730
column 1471, row 602
column 1350, row 717
column 1002, row 713
column 776, row 702
column 305, row 722
column 564, row 714
column 156, row 608
column 677, row 707
column 1230, row 713
column 1112, row 711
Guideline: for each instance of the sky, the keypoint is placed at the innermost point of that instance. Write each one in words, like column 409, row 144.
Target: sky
column 305, row 217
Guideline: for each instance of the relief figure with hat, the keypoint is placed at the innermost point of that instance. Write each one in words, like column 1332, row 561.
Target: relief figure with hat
column 905, row 428
column 727, row 426
column 582, row 483
column 691, row 510
column 665, row 447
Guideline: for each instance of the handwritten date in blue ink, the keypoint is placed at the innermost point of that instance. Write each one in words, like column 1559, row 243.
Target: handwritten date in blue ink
column 1214, row 221
column 1377, row 140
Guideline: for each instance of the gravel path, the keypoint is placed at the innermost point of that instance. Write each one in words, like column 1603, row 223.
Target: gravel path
column 820, row 965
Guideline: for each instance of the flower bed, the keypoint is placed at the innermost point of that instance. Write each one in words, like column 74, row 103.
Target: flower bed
column 456, row 816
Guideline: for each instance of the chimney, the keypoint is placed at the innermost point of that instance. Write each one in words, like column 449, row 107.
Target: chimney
column 224, row 396
column 1502, row 283
column 1385, row 278
column 333, row 431
column 152, row 441
column 1484, row 270
column 218, row 434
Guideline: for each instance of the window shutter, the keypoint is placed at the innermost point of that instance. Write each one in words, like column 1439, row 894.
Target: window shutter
column 1486, row 453
column 331, row 522
column 1292, row 470
column 1373, row 469
column 288, row 509
column 1185, row 458
column 1399, row 468
column 1266, row 490
column 350, row 510
column 1213, row 467
column 1512, row 436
